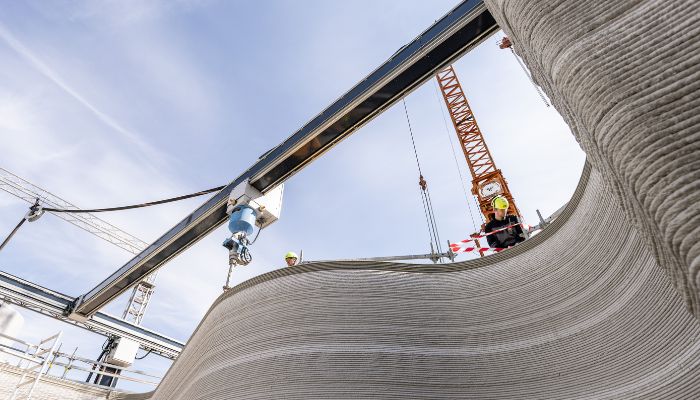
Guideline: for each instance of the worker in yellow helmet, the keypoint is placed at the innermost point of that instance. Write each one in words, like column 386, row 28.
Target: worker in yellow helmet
column 291, row 258
column 501, row 219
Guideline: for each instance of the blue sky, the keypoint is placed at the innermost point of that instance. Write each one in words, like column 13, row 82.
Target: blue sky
column 116, row 102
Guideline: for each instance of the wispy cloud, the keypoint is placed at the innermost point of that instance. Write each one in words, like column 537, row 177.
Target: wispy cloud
column 119, row 13
column 71, row 126
column 46, row 71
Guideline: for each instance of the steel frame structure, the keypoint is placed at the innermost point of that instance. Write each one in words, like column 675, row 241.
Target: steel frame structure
column 464, row 27
column 51, row 303
column 479, row 159
column 90, row 223
column 141, row 294
column 29, row 192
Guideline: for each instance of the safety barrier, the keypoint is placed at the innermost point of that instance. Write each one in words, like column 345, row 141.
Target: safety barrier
column 459, row 247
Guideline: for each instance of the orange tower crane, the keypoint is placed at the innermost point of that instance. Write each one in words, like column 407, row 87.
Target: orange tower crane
column 487, row 180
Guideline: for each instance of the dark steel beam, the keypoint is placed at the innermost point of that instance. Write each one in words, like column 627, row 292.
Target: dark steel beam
column 451, row 36
column 50, row 303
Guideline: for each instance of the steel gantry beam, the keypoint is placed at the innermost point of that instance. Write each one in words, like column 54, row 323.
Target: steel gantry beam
column 464, row 27
column 53, row 304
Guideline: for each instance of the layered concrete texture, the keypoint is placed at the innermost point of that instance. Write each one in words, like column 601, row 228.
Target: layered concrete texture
column 625, row 75
column 580, row 311
column 601, row 305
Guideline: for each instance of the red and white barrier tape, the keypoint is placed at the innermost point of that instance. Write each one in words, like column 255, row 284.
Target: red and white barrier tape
column 457, row 247
column 525, row 226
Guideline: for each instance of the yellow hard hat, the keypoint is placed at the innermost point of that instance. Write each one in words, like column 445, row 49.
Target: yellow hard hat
column 499, row 203
column 291, row 254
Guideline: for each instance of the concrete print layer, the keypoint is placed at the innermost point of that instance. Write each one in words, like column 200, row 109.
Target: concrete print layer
column 595, row 307
column 626, row 77
column 570, row 314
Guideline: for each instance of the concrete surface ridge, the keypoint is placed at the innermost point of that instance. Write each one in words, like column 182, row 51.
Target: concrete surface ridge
column 595, row 307
column 568, row 314
column 626, row 77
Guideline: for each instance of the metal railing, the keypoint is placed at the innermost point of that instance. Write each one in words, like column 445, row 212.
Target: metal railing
column 65, row 366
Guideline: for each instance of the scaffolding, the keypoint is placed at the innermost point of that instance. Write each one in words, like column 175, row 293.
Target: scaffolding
column 35, row 362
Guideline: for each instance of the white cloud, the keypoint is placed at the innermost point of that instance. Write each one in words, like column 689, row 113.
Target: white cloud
column 114, row 13
column 70, row 123
column 46, row 71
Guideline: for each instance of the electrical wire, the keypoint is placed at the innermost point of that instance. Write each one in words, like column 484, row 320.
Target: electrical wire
column 256, row 236
column 7, row 240
column 145, row 355
column 148, row 204
column 34, row 212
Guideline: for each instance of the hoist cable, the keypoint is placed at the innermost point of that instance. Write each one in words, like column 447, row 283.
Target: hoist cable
column 425, row 196
column 148, row 204
column 454, row 155
column 12, row 233
column 413, row 142
column 432, row 218
column 427, row 215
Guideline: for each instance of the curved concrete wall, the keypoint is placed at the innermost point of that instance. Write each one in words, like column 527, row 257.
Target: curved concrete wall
column 567, row 314
column 595, row 307
column 625, row 75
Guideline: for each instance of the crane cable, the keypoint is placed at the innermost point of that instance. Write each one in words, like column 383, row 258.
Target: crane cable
column 454, row 155
column 425, row 193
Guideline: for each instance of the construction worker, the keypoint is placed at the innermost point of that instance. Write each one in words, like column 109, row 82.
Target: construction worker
column 291, row 258
column 501, row 219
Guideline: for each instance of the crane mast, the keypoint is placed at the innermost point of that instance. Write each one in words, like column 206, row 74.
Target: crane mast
column 487, row 180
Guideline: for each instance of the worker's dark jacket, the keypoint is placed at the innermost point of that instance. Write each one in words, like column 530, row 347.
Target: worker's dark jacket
column 505, row 238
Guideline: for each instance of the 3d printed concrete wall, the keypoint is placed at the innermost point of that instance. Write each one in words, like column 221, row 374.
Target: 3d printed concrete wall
column 567, row 314
column 594, row 307
column 625, row 75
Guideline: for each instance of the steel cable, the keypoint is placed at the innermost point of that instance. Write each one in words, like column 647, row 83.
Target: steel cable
column 148, row 204
column 425, row 195
column 12, row 233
